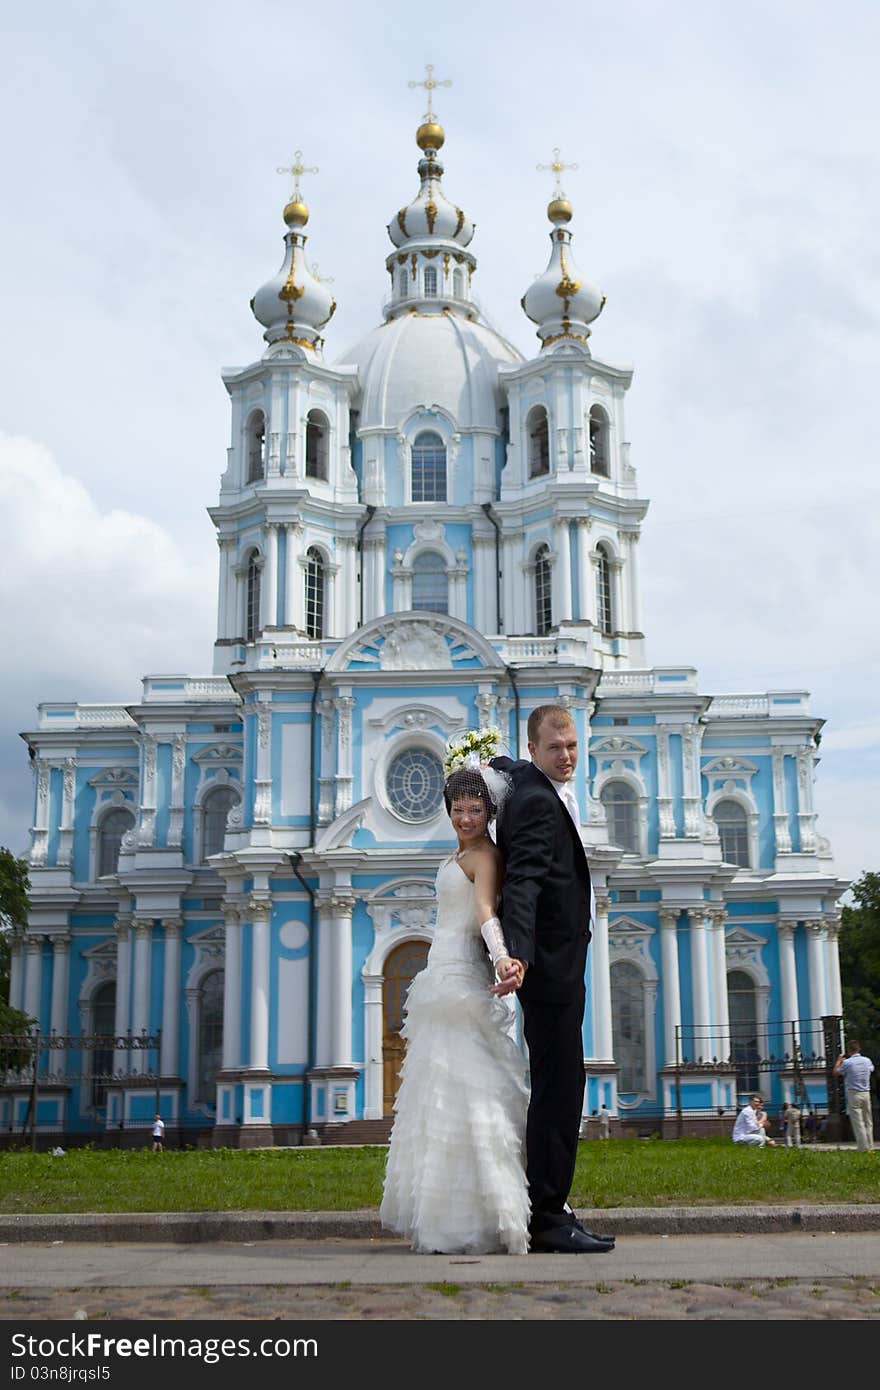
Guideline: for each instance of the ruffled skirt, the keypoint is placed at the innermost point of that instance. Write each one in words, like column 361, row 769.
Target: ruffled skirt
column 455, row 1176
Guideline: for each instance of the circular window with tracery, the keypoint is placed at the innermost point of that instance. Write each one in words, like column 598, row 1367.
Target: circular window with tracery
column 414, row 783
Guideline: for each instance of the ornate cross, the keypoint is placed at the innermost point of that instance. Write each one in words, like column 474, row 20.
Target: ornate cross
column 297, row 168
column 430, row 83
column 556, row 168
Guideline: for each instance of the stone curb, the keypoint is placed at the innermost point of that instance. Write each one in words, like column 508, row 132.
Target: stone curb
column 181, row 1228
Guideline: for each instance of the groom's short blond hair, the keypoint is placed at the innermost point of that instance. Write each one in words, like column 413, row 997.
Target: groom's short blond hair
column 556, row 715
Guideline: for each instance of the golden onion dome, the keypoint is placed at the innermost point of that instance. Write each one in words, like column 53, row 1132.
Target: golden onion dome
column 296, row 213
column 430, row 135
column 560, row 210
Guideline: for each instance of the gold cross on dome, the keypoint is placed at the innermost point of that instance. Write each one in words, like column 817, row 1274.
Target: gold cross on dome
column 297, row 169
column 556, row 168
column 430, row 84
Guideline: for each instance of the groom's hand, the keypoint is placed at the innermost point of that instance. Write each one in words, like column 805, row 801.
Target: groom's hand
column 511, row 973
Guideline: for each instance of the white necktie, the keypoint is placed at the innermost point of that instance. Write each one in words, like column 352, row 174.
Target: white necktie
column 570, row 802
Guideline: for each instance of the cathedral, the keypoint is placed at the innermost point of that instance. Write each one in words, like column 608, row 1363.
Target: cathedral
column 232, row 876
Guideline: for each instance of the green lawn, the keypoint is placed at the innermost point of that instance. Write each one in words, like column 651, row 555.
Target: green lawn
column 619, row 1173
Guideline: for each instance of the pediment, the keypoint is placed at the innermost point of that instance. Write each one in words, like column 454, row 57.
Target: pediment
column 617, row 746
column 120, row 777
column 415, row 641
column 729, row 766
column 219, row 753
column 628, row 926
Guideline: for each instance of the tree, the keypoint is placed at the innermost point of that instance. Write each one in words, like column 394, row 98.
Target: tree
column 859, row 946
column 14, row 887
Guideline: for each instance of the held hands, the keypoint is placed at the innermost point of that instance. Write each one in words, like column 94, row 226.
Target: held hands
column 510, row 976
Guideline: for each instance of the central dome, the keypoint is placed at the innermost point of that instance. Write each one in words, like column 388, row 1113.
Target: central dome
column 430, row 359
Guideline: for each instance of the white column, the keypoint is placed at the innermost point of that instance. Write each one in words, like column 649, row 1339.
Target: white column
column 269, row 585
column 341, row 908
column 602, row 1043
column 121, row 1057
column 60, row 983
column 700, row 982
column 806, row 814
column 780, row 813
column 16, row 972
column 562, row 573
column 295, row 595
column 691, row 743
column 33, row 978
column 344, row 775
column 147, row 826
column 178, row 771
column 373, row 577
column 324, row 983
column 347, row 586
column 787, row 971
column 671, row 991
column 401, row 583
column 40, row 829
column 457, row 576
column 816, row 966
column 169, row 1060
column 326, row 777
column 332, row 619
column 263, row 779
column 259, row 1037
column 718, row 957
column 835, row 994
column 225, row 589
column 586, row 610
column 511, row 580
column 665, row 811
column 65, row 836
column 630, row 539
column 140, row 1023
column 619, row 615
column 485, row 585
column 232, row 989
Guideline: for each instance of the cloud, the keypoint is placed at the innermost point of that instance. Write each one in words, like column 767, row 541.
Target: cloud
column 90, row 601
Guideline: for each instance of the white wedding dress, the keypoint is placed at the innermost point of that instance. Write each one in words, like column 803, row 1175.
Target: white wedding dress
column 455, row 1175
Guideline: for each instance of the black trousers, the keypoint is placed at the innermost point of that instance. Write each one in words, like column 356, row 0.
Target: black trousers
column 553, row 1034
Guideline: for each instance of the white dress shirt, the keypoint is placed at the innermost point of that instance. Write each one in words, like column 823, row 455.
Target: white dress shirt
column 569, row 801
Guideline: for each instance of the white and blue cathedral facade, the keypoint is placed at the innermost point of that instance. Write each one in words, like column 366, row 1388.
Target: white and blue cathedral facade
column 429, row 535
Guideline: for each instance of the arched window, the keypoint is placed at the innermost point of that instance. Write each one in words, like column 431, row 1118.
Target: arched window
column 215, row 808
column 430, row 281
column 256, row 447
column 210, row 1055
column 104, row 1031
column 621, row 815
column 110, row 832
column 733, row 829
column 599, row 441
column 538, row 431
column 603, row 590
column 742, row 1009
column 317, row 431
column 543, row 591
column 403, row 283
column 458, row 284
column 430, row 585
column 252, row 599
column 314, row 593
column 428, row 468
column 628, row 1040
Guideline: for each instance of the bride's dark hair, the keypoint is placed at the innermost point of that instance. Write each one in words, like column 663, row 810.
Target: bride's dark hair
column 466, row 781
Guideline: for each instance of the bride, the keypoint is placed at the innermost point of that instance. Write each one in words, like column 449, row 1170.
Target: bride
column 455, row 1175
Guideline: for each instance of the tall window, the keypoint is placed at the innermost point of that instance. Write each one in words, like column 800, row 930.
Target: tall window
column 316, row 445
column 430, row 281
column 621, row 815
column 210, row 1058
column 538, row 431
column 256, row 447
column 458, row 284
column 543, row 592
column 314, row 593
column 733, row 829
column 428, row 468
column 742, row 1008
column 430, row 585
column 403, row 283
column 104, row 1030
column 252, row 599
column 603, row 589
column 215, row 808
column 110, row 832
column 628, row 1026
column 599, row 441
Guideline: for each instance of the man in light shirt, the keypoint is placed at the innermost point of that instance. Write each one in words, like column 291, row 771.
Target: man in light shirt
column 751, row 1124
column 856, row 1072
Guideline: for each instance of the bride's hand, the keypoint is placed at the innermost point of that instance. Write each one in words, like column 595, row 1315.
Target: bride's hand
column 510, row 973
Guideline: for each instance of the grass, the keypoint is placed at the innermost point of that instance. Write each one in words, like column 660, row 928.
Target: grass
column 623, row 1173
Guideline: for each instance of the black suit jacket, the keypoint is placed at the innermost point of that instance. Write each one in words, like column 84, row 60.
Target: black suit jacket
column 545, row 895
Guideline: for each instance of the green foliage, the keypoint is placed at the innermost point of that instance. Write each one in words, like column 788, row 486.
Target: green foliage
column 621, row 1173
column 14, row 887
column 859, row 947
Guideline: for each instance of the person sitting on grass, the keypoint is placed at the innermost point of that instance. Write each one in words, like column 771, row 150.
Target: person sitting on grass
column 752, row 1124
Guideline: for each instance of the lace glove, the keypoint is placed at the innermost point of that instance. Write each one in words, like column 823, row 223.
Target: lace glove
column 490, row 930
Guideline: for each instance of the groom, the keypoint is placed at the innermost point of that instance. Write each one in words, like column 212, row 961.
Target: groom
column 545, row 912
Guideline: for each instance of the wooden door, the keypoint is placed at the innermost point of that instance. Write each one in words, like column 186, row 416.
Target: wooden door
column 403, row 964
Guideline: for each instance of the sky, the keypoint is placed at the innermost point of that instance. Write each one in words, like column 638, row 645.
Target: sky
column 726, row 201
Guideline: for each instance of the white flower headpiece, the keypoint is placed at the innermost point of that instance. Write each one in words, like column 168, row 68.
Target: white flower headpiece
column 470, row 749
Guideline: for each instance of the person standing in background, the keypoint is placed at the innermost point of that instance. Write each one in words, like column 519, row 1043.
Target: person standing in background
column 856, row 1072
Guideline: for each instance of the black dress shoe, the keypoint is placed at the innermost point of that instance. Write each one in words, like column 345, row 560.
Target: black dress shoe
column 568, row 1240
column 597, row 1235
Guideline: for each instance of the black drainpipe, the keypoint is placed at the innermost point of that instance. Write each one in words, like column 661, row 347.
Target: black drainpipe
column 512, row 678
column 487, row 508
column 371, row 512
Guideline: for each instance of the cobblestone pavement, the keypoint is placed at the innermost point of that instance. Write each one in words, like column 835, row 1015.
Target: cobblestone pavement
column 611, row 1299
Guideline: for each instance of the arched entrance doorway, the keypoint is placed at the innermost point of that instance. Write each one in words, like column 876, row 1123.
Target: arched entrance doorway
column 401, row 967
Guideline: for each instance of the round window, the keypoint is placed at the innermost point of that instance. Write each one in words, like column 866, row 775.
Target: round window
column 414, row 783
